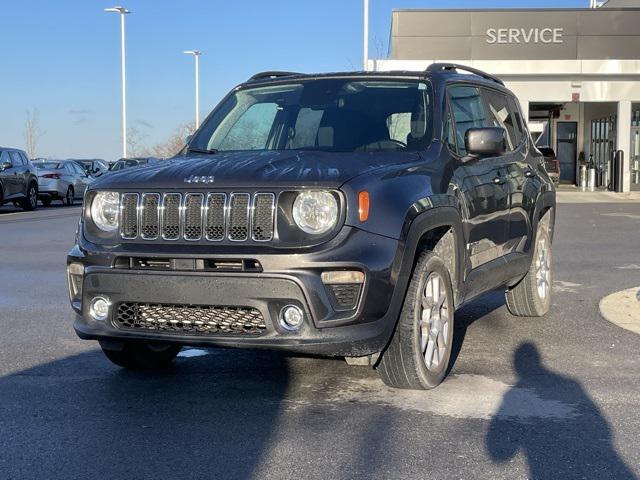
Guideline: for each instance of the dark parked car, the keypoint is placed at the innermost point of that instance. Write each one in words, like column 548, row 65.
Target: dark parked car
column 18, row 180
column 344, row 214
column 95, row 167
column 552, row 164
column 124, row 163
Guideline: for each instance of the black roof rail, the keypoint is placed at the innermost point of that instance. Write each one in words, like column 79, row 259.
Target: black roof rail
column 439, row 67
column 274, row 74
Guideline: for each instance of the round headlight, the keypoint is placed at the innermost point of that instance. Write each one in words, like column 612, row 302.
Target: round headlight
column 104, row 210
column 315, row 211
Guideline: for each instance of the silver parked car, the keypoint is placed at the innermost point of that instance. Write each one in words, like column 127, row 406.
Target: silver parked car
column 63, row 180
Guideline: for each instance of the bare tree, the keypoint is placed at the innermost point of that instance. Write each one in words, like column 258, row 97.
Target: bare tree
column 173, row 144
column 135, row 142
column 32, row 133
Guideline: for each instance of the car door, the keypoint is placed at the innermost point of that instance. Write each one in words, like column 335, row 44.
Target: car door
column 83, row 180
column 9, row 183
column 481, row 182
column 19, row 172
column 503, row 112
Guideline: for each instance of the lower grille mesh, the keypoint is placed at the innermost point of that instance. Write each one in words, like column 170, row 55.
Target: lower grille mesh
column 190, row 319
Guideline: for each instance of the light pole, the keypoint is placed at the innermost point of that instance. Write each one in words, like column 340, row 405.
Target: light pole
column 122, row 11
column 196, row 54
column 365, row 60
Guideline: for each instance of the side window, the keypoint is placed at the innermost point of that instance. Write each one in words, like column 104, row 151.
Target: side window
column 4, row 157
column 16, row 159
column 25, row 160
column 468, row 112
column 251, row 131
column 500, row 114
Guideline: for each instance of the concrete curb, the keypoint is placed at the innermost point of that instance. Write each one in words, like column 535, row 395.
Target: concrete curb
column 623, row 309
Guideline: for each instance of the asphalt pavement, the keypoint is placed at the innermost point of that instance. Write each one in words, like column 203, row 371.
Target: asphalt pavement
column 555, row 397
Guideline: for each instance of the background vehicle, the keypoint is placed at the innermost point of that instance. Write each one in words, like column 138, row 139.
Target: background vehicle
column 551, row 163
column 124, row 163
column 63, row 180
column 95, row 167
column 18, row 180
column 345, row 214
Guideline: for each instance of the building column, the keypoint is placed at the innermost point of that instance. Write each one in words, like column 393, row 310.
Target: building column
column 623, row 140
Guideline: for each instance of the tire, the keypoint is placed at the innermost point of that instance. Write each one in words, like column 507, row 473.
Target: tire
column 46, row 201
column 143, row 355
column 30, row 203
column 532, row 296
column 69, row 197
column 403, row 363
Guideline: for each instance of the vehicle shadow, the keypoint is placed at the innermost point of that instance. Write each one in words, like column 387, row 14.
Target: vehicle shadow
column 556, row 444
column 80, row 417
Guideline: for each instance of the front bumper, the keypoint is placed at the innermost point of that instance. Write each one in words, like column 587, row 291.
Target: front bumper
column 287, row 278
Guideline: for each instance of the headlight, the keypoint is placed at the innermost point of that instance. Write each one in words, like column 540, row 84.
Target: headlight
column 104, row 210
column 315, row 211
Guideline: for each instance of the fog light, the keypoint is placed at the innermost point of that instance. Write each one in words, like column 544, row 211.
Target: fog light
column 99, row 308
column 291, row 317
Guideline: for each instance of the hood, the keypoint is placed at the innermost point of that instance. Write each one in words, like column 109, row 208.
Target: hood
column 255, row 169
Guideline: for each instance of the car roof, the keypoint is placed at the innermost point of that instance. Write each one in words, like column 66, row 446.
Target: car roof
column 440, row 72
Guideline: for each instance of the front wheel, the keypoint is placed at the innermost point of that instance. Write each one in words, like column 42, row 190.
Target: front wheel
column 418, row 355
column 143, row 355
column 532, row 296
column 31, row 202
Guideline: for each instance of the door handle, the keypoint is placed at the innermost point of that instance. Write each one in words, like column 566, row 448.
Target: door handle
column 499, row 180
column 529, row 173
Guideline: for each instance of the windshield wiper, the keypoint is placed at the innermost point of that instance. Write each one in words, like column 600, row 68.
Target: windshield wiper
column 211, row 151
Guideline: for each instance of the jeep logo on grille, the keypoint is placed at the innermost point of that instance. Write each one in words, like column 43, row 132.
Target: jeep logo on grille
column 200, row 179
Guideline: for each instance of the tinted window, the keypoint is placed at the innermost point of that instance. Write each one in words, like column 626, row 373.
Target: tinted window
column 16, row 159
column 448, row 132
column 468, row 112
column 521, row 128
column 49, row 165
column 500, row 114
column 329, row 114
column 4, row 157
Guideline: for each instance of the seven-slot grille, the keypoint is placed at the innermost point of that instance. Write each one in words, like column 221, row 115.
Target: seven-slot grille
column 213, row 216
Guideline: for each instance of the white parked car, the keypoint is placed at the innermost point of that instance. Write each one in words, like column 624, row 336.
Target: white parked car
column 63, row 180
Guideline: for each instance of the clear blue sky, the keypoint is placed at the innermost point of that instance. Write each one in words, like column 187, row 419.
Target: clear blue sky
column 63, row 58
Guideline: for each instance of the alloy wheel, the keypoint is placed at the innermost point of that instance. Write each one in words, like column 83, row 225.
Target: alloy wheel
column 543, row 269
column 434, row 321
column 33, row 197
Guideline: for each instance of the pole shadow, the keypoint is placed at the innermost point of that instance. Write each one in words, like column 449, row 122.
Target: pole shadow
column 570, row 439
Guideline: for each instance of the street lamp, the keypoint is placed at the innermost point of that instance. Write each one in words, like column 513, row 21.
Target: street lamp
column 365, row 60
column 196, row 54
column 122, row 11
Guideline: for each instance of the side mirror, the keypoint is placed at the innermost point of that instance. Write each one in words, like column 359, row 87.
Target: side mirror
column 6, row 165
column 485, row 141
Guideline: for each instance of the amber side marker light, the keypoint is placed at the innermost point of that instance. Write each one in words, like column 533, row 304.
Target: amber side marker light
column 363, row 206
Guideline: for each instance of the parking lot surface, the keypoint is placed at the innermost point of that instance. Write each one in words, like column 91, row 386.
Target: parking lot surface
column 554, row 397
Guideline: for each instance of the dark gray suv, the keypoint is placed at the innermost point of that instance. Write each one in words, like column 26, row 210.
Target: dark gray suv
column 343, row 214
column 18, row 179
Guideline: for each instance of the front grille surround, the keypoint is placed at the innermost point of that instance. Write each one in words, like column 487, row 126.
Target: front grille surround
column 198, row 216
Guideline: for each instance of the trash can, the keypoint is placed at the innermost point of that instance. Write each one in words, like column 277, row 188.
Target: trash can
column 592, row 180
column 583, row 178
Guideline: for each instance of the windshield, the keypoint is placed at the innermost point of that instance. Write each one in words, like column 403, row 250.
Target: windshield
column 331, row 115
column 49, row 165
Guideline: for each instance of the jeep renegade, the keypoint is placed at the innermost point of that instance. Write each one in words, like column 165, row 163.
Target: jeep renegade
column 345, row 214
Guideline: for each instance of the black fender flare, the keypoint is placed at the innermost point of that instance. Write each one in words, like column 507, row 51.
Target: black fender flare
column 422, row 222
column 545, row 201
